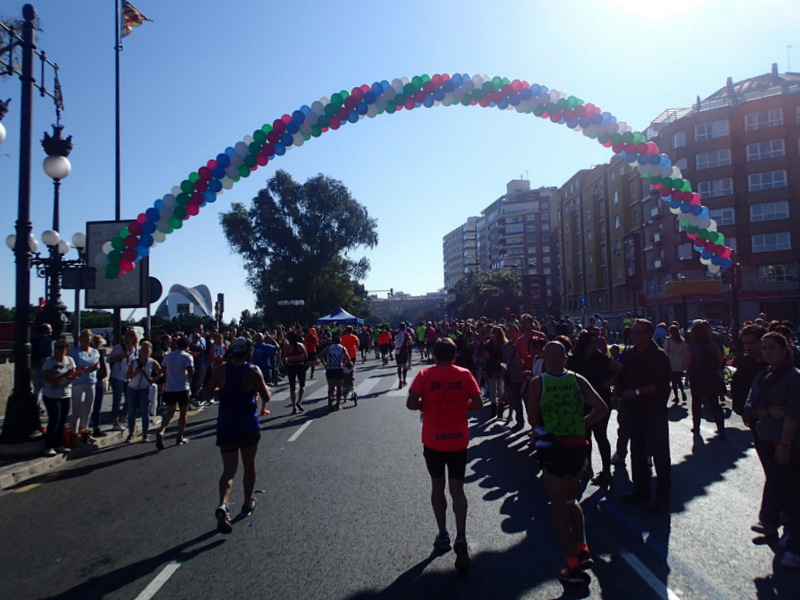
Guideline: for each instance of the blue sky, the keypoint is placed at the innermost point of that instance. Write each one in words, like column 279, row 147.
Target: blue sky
column 205, row 74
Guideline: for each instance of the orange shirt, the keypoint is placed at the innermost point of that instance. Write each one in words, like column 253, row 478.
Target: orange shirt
column 445, row 393
column 384, row 337
column 350, row 342
column 311, row 340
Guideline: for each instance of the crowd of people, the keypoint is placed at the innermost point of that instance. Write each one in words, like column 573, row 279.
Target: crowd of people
column 559, row 379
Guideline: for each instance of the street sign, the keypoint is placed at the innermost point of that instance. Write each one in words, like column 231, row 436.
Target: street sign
column 582, row 301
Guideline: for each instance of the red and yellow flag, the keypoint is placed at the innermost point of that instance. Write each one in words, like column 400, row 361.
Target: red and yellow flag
column 131, row 17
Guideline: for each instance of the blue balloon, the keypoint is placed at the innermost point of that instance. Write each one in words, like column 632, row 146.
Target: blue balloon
column 696, row 209
column 280, row 149
column 525, row 93
column 573, row 123
column 377, row 90
column 457, row 80
column 224, row 160
column 514, row 99
column 632, row 157
column 535, row 89
column 149, row 226
column 209, row 196
column 585, row 121
column 439, row 94
column 298, row 117
column 218, row 172
column 352, row 117
column 215, row 185
column 230, row 151
column 370, row 97
column 152, row 214
column 286, row 139
column 654, row 159
column 727, row 263
column 146, row 240
column 305, row 108
column 362, row 108
column 667, row 199
column 716, row 260
column 158, row 204
column 674, row 203
column 292, row 127
column 503, row 104
column 685, row 208
column 706, row 254
column 698, row 248
column 448, row 86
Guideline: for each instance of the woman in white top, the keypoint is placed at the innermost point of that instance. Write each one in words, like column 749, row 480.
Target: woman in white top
column 142, row 372
column 677, row 350
column 58, row 372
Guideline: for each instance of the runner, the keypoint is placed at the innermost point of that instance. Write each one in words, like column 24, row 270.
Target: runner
column 236, row 384
column 385, row 344
column 311, row 341
column 444, row 393
column 402, row 353
column 179, row 368
column 295, row 360
column 555, row 411
column 336, row 359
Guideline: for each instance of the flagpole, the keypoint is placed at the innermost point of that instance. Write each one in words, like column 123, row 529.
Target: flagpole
column 117, row 175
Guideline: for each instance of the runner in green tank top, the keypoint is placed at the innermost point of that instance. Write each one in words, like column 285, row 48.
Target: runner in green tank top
column 555, row 411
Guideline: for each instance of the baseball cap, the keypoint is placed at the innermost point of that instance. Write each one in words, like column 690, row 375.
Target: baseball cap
column 240, row 346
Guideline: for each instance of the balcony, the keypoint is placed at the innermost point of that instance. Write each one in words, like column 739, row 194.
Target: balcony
column 657, row 237
column 656, row 212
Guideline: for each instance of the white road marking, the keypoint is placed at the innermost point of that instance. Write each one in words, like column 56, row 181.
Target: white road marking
column 297, row 433
column 157, row 583
column 649, row 577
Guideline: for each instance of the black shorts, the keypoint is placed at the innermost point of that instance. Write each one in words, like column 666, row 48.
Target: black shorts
column 312, row 356
column 560, row 460
column 456, row 462
column 232, row 443
column 363, row 346
column 334, row 374
column 172, row 398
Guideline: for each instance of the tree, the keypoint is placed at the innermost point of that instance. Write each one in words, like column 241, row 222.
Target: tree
column 295, row 240
column 478, row 293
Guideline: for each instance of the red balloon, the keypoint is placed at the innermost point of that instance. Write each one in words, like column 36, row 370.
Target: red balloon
column 342, row 113
column 278, row 126
column 268, row 149
column 196, row 198
column 335, row 123
column 410, row 103
column 141, row 218
column 201, row 185
column 131, row 241
column 129, row 254
column 286, row 119
column 262, row 159
column 641, row 147
column 211, row 164
column 273, row 137
column 192, row 208
column 125, row 266
column 204, row 173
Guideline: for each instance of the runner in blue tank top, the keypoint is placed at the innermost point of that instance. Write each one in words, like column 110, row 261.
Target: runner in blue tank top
column 237, row 383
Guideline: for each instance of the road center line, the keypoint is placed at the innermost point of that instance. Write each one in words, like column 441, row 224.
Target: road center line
column 157, row 583
column 649, row 577
column 297, row 433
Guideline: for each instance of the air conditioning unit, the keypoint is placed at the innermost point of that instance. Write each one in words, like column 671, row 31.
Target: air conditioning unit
column 655, row 212
column 658, row 263
column 656, row 238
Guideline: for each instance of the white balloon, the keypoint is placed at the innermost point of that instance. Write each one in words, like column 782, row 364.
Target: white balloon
column 459, row 94
column 106, row 247
column 389, row 93
column 674, row 211
column 372, row 111
column 241, row 149
column 101, row 260
column 675, row 173
column 297, row 139
column 712, row 225
column 468, row 87
column 397, row 84
column 248, row 139
column 176, row 189
column 317, row 108
column 163, row 226
column 380, row 104
column 236, row 160
column 159, row 236
column 305, row 129
column 477, row 80
column 165, row 213
column 311, row 119
column 170, row 201
column 227, row 183
column 231, row 173
column 713, row 269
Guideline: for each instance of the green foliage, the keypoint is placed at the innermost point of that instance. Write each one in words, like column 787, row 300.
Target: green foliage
column 295, row 239
column 479, row 293
column 94, row 319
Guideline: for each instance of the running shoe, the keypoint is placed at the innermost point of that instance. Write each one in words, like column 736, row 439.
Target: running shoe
column 568, row 575
column 160, row 441
column 249, row 507
column 181, row 441
column 223, row 519
column 791, row 560
column 52, row 452
column 442, row 542
column 462, row 554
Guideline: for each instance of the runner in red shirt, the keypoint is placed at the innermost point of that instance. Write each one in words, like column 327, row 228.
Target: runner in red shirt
column 444, row 393
column 311, row 341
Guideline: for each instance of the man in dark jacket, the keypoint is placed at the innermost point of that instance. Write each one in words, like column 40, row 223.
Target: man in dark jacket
column 643, row 386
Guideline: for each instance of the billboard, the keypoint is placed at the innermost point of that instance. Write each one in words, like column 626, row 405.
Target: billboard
column 127, row 291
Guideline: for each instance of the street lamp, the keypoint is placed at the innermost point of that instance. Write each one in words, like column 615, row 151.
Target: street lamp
column 57, row 167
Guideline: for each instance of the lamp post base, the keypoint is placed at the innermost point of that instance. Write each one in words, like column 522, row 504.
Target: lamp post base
column 22, row 424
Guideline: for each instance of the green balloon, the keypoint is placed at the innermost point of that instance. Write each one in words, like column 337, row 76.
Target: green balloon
column 254, row 147
column 324, row 121
column 330, row 109
column 497, row 83
column 112, row 271
column 244, row 170
column 316, row 130
column 538, row 111
column 409, row 89
column 187, row 186
column 266, row 128
column 259, row 136
column 667, row 182
column 114, row 256
column 390, row 106
column 337, row 100
column 655, row 179
column 637, row 137
column 250, row 161
column 175, row 222
column 686, row 186
column 193, row 176
column 182, row 199
column 572, row 102
column 466, row 100
column 487, row 87
column 692, row 229
column 118, row 244
column 123, row 233
column 562, row 104
column 627, row 137
column 399, row 100
column 180, row 212
column 425, row 78
column 616, row 138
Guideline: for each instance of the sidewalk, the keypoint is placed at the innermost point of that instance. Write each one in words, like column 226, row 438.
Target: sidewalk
column 14, row 471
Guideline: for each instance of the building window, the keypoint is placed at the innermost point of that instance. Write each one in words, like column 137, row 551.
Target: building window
column 709, row 131
column 770, row 180
column 769, row 211
column 545, row 260
column 545, row 216
column 682, row 164
column 617, row 224
column 715, row 188
column 771, row 242
column 678, row 139
column 545, row 205
column 545, row 227
column 714, row 158
column 616, row 197
column 776, row 273
column 633, row 191
column 723, row 216
column 545, row 238
column 764, row 150
column 619, row 271
column 684, row 251
column 590, row 258
column 763, row 120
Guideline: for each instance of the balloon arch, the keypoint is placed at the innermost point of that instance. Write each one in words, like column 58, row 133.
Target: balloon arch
column 135, row 241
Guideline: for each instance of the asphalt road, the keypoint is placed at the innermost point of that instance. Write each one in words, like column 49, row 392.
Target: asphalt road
column 345, row 513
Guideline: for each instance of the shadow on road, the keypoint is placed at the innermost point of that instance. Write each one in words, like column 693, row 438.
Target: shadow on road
column 105, row 585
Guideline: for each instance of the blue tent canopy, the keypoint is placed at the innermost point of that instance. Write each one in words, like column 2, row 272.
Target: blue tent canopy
column 340, row 316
